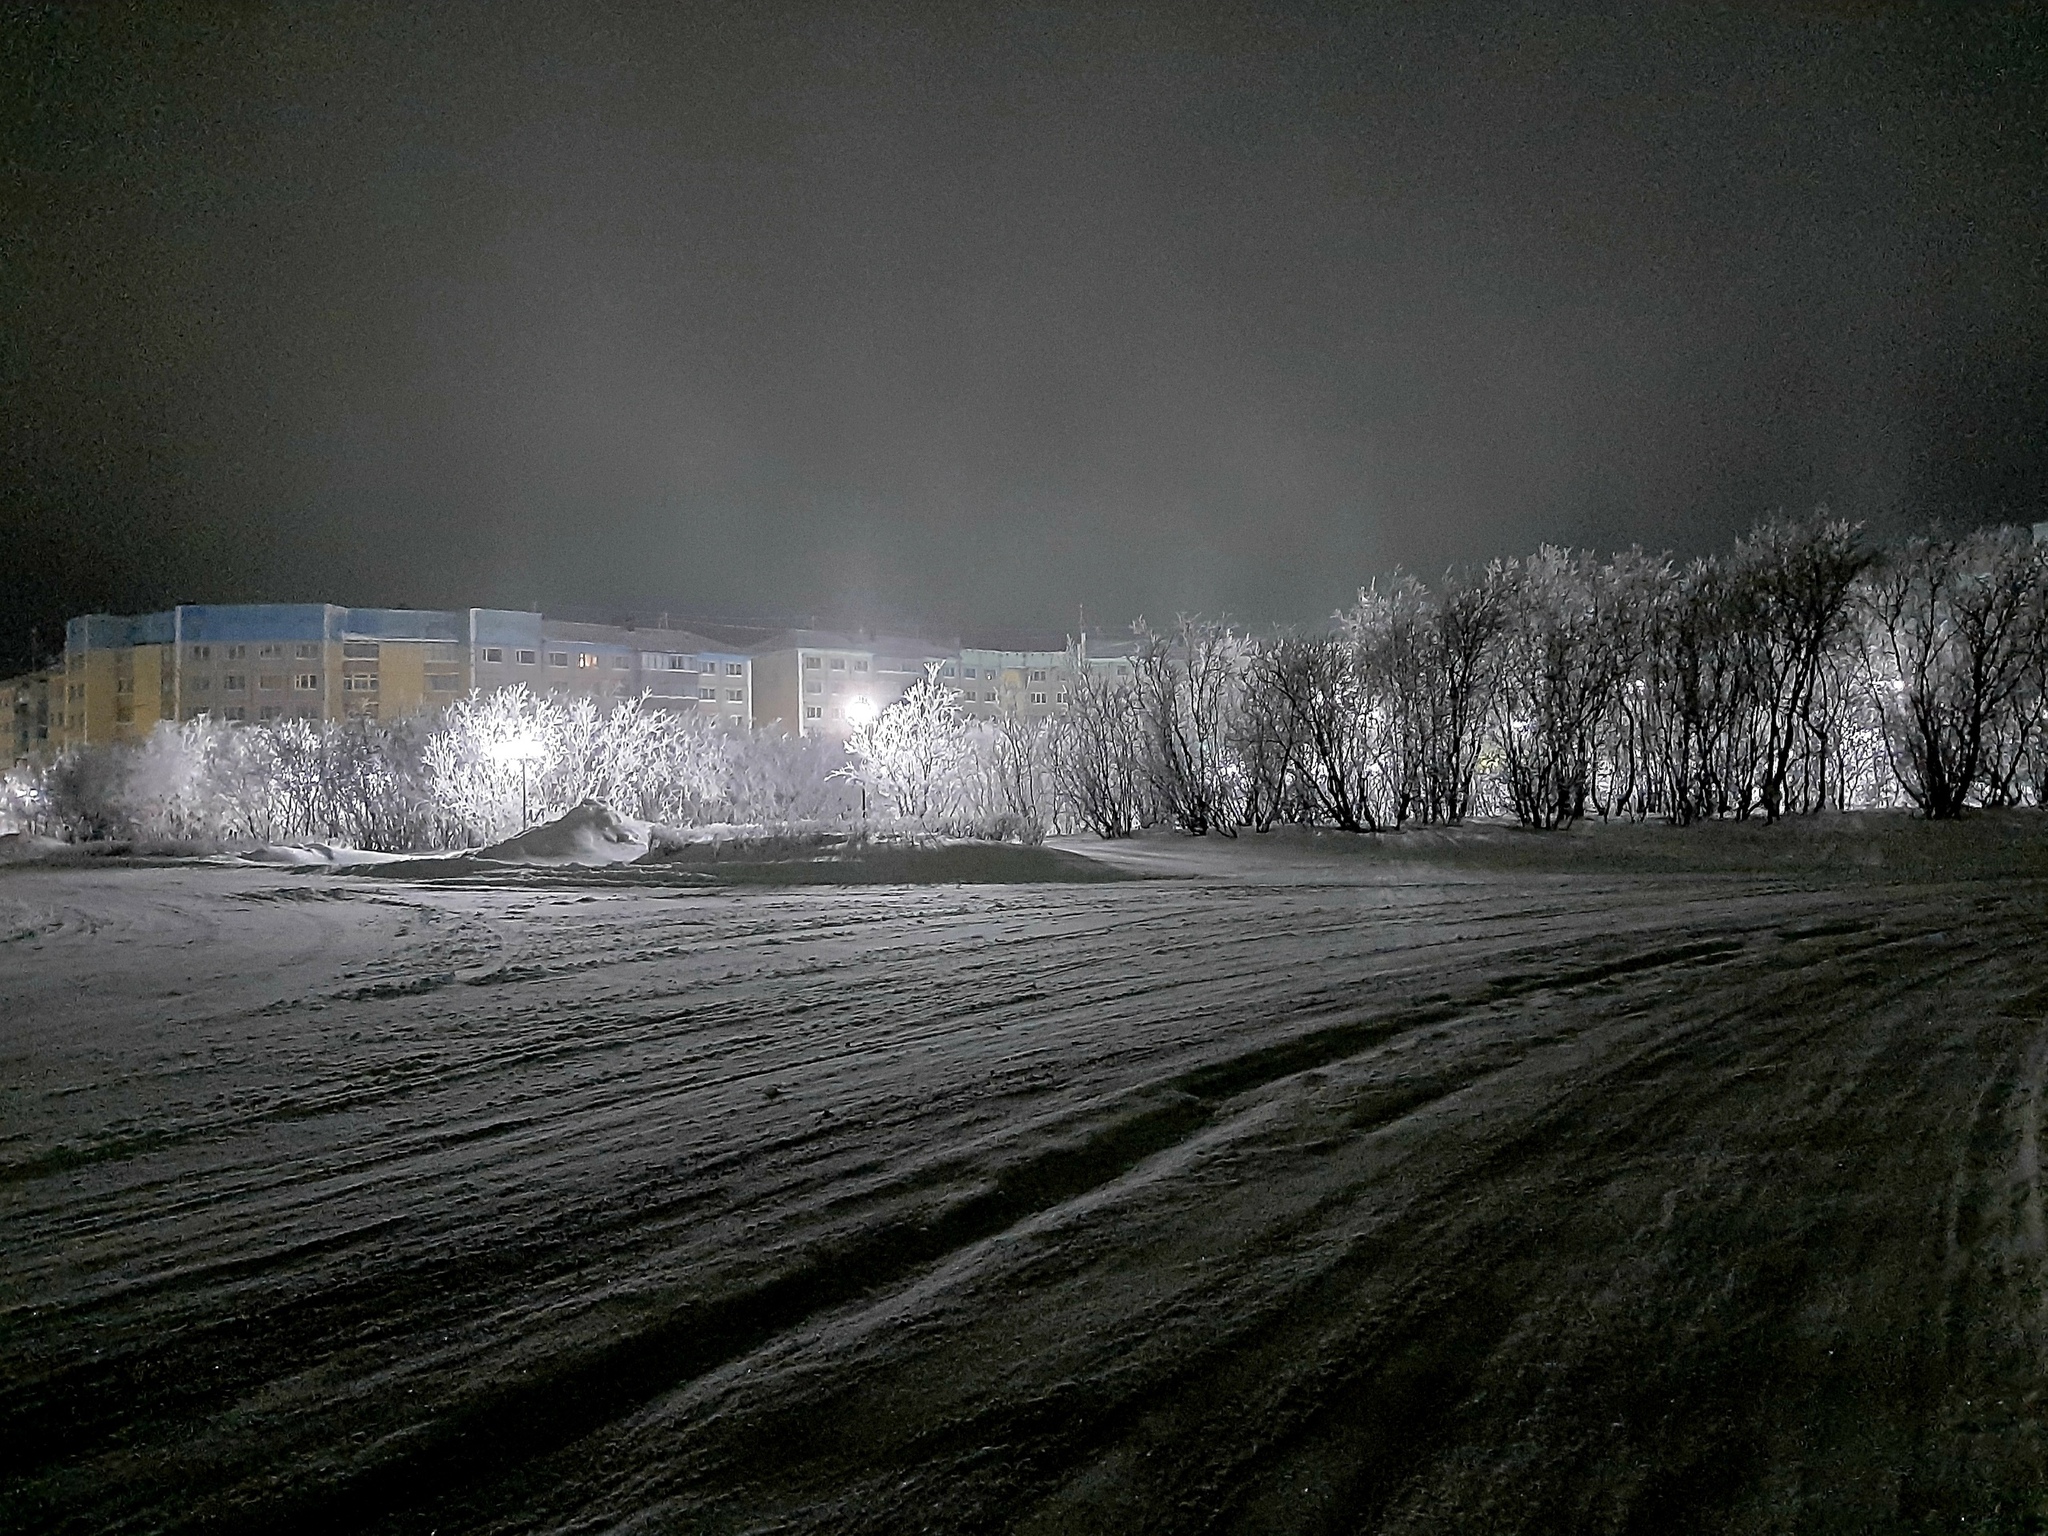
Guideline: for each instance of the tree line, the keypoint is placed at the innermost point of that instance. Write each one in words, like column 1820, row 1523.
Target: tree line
column 1802, row 670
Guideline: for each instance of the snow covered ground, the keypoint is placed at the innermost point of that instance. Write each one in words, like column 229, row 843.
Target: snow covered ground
column 1287, row 1190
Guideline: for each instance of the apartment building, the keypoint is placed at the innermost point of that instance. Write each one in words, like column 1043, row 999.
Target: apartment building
column 122, row 674
column 811, row 681
column 1033, row 683
column 27, row 701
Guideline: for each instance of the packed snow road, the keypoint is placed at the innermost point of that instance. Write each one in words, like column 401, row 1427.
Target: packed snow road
column 1278, row 1195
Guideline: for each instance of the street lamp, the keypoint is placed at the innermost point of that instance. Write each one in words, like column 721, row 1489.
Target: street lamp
column 860, row 714
column 521, row 750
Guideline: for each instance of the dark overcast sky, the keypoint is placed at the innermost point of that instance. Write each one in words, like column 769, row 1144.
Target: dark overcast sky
column 984, row 313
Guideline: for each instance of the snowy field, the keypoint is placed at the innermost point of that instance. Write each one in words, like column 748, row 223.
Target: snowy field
column 1282, row 1191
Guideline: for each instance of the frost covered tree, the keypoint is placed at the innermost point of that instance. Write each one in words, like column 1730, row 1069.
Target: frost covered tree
column 910, row 756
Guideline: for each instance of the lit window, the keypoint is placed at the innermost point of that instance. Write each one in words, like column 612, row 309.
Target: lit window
column 558, row 658
column 306, row 682
column 586, row 659
column 524, row 658
column 494, row 653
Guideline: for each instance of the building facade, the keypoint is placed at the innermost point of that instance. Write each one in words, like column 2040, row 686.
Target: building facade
column 122, row 674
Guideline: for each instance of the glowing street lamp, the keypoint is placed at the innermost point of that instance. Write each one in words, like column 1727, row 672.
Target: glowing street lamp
column 860, row 713
column 521, row 750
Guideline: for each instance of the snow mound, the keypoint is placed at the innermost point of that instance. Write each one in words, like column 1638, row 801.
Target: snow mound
column 590, row 833
column 27, row 847
column 315, row 855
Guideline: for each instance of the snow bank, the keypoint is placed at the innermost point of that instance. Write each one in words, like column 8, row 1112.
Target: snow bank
column 591, row 833
column 316, row 855
column 26, row 848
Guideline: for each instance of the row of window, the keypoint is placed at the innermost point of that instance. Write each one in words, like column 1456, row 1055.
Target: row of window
column 590, row 660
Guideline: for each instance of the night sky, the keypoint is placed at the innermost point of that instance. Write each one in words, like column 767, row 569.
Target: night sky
column 874, row 313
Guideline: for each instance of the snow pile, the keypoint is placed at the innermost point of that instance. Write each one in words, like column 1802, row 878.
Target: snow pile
column 26, row 847
column 590, row 833
column 315, row 855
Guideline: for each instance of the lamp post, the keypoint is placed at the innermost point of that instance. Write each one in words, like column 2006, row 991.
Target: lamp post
column 860, row 714
column 521, row 750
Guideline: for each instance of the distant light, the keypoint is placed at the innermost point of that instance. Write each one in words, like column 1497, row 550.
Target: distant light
column 860, row 710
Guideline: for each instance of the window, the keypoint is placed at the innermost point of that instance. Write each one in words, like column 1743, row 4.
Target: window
column 622, row 663
column 202, row 653
column 736, row 695
column 812, row 661
column 269, row 712
column 235, row 712
column 494, row 653
column 812, row 712
column 814, row 686
column 443, row 682
column 75, row 692
column 991, row 695
column 359, row 682
column 682, row 663
column 233, row 682
column 838, row 663
column 357, row 650
column 558, row 658
column 308, row 652
column 967, row 672
column 123, row 713
column 946, row 670
column 238, row 653
column 306, row 682
column 124, row 685
column 1063, row 696
column 269, row 652
column 735, row 669
column 525, row 658
column 270, row 680
column 712, row 693
column 586, row 659
column 860, row 666
column 1038, row 676
column 1038, row 698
